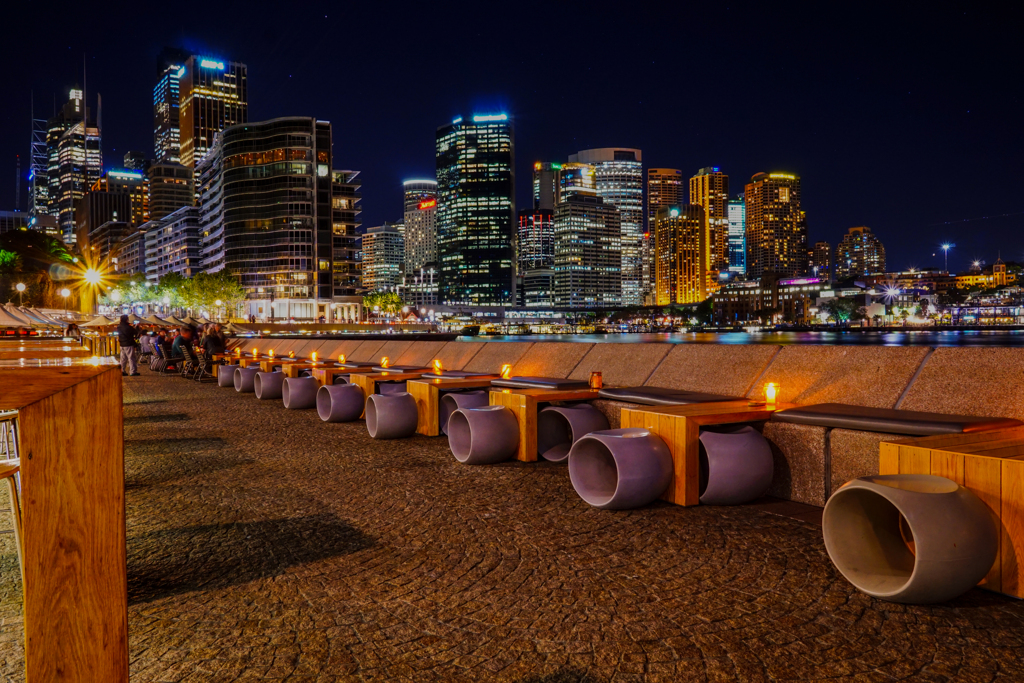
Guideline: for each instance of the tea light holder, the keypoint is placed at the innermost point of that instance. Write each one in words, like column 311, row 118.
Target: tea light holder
column 506, row 371
column 596, row 381
column 385, row 362
column 771, row 394
column 437, row 367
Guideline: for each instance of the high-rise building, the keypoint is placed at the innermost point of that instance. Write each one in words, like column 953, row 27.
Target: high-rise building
column 172, row 245
column 588, row 255
column 776, row 226
column 819, row 261
column 709, row 189
column 859, row 253
column 664, row 188
column 345, row 198
column 13, row 220
column 136, row 161
column 131, row 253
column 39, row 190
column 420, row 214
column 545, row 184
column 679, row 262
column 213, row 96
column 74, row 160
column 134, row 185
column 737, row 215
column 619, row 181
column 575, row 178
column 267, row 214
column 167, row 114
column 383, row 248
column 476, row 210
column 93, row 210
column 535, row 243
column 170, row 188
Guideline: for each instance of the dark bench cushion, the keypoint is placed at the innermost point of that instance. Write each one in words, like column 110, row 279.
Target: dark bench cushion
column 889, row 420
column 541, row 383
column 400, row 368
column 454, row 374
column 356, row 364
column 661, row 396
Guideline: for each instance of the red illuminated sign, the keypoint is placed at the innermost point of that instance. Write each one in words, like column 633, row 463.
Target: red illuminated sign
column 428, row 204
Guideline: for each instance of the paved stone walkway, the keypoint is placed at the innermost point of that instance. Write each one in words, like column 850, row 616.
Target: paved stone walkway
column 265, row 544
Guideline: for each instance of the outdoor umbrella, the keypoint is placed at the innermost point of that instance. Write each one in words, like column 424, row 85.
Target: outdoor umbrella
column 153, row 320
column 7, row 320
column 42, row 316
column 37, row 320
column 171, row 320
column 13, row 311
column 190, row 321
column 99, row 321
column 204, row 321
column 235, row 329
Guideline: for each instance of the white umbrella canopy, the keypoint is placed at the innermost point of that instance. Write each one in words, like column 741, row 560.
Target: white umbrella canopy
column 153, row 320
column 36, row 319
column 8, row 320
column 13, row 311
column 171, row 320
column 45, row 318
column 190, row 321
column 99, row 321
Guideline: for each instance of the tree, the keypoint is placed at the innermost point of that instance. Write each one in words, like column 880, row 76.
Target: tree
column 841, row 310
column 386, row 302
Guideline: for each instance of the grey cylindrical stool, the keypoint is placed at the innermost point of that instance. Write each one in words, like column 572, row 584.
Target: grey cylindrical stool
column 388, row 388
column 483, row 436
column 267, row 385
column 736, row 466
column 226, row 375
column 619, row 469
column 342, row 379
column 453, row 400
column 391, row 416
column 912, row 538
column 339, row 402
column 299, row 393
column 245, row 378
column 559, row 427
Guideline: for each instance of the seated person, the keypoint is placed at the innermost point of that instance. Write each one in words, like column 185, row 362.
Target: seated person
column 214, row 341
column 183, row 339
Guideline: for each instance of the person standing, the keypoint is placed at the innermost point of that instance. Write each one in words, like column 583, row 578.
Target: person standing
column 128, row 338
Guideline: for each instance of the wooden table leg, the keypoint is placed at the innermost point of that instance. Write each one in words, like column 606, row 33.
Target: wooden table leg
column 428, row 404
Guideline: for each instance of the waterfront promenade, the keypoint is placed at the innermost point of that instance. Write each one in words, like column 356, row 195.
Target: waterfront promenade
column 266, row 544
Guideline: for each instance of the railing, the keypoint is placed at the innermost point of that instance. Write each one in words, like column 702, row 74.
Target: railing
column 102, row 345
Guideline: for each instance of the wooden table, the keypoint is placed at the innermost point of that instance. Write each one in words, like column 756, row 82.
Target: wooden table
column 72, row 482
column 680, row 427
column 427, row 392
column 44, row 351
column 294, row 368
column 368, row 381
column 523, row 402
column 326, row 375
column 991, row 465
column 267, row 364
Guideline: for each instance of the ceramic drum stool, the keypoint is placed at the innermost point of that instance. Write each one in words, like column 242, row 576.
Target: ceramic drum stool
column 559, row 427
column 299, row 393
column 391, row 416
column 454, row 400
column 736, row 466
column 388, row 388
column 484, row 435
column 226, row 375
column 268, row 385
column 245, row 379
column 911, row 538
column 339, row 402
column 619, row 469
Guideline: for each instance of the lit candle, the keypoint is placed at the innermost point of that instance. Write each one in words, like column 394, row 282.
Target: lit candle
column 291, row 354
column 238, row 352
column 341, row 358
column 384, row 361
column 771, row 392
column 255, row 352
column 271, row 354
column 437, row 367
column 313, row 356
column 506, row 371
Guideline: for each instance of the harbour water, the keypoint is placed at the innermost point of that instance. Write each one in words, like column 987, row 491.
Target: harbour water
column 831, row 338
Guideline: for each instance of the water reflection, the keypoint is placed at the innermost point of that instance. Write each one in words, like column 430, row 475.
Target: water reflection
column 832, row 338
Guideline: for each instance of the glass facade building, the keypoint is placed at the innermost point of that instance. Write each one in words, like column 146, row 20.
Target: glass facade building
column 476, row 210
column 588, row 255
column 383, row 249
column 619, row 181
column 776, row 226
column 709, row 189
column 420, row 218
column 859, row 253
column 737, row 216
column 213, row 96
column 681, row 248
column 166, row 115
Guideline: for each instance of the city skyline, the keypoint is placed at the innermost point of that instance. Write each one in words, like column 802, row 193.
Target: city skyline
column 855, row 115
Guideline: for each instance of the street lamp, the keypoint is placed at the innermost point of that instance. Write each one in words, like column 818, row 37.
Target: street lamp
column 93, row 276
column 946, row 246
column 65, row 293
column 21, row 293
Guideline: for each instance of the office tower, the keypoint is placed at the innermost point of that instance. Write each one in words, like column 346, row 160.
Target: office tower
column 476, row 210
column 737, row 216
column 535, row 242
column 74, row 160
column 131, row 253
column 93, row 210
column 709, row 189
column 420, row 214
column 134, row 185
column 545, row 184
column 170, row 188
column 213, row 96
column 619, row 181
column 39, row 191
column 859, row 253
column 383, row 248
column 345, row 222
column 136, row 161
column 664, row 188
column 172, row 245
column 680, row 240
column 588, row 253
column 167, row 114
column 268, row 223
column 575, row 178
column 13, row 220
column 819, row 261
column 776, row 226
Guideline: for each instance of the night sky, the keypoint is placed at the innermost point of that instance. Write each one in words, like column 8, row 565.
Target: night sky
column 910, row 121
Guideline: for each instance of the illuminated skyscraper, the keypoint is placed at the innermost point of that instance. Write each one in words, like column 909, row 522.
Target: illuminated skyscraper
column 74, row 161
column 619, row 181
column 859, row 253
column 535, row 246
column 574, row 178
column 170, row 188
column 737, row 214
column 709, row 189
column 776, row 226
column 680, row 270
column 588, row 258
column 545, row 184
column 166, row 114
column 132, row 184
column 383, row 248
column 420, row 212
column 820, row 261
column 214, row 96
column 476, row 210
column 664, row 188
